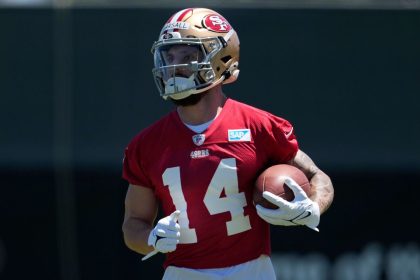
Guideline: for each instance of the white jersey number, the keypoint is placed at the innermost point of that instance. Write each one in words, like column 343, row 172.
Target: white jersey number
column 225, row 178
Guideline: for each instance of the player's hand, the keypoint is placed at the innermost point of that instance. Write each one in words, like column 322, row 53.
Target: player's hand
column 165, row 236
column 300, row 211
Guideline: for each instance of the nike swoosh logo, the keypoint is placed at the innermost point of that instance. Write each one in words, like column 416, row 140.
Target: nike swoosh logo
column 301, row 216
column 289, row 133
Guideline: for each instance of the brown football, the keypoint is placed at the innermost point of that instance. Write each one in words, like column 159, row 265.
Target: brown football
column 272, row 180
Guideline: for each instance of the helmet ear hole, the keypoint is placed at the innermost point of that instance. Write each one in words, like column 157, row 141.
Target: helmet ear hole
column 226, row 59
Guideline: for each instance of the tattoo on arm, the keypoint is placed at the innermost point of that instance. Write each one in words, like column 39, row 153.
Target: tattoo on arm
column 322, row 188
column 304, row 163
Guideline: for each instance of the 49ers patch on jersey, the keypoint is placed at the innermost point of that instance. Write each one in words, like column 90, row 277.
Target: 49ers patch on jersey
column 199, row 153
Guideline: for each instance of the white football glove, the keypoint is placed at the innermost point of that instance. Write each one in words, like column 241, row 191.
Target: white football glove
column 300, row 211
column 165, row 236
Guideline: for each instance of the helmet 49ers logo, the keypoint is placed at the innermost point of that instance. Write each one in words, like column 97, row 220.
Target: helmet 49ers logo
column 216, row 23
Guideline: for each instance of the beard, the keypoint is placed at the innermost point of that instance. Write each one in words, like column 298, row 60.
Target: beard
column 191, row 100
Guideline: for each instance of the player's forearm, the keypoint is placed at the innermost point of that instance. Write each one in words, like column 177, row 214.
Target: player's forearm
column 322, row 187
column 136, row 233
column 323, row 191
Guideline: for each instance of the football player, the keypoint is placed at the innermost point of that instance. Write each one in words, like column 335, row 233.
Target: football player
column 200, row 161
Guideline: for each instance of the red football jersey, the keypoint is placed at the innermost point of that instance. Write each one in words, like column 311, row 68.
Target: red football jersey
column 210, row 177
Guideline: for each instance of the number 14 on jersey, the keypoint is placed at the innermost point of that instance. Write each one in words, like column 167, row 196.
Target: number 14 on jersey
column 225, row 178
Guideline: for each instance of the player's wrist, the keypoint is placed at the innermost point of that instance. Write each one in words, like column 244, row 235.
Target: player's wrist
column 312, row 220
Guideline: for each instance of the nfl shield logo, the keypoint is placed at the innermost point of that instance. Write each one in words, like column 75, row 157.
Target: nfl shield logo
column 198, row 139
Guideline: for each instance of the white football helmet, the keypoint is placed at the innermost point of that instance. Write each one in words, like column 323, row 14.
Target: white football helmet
column 196, row 50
